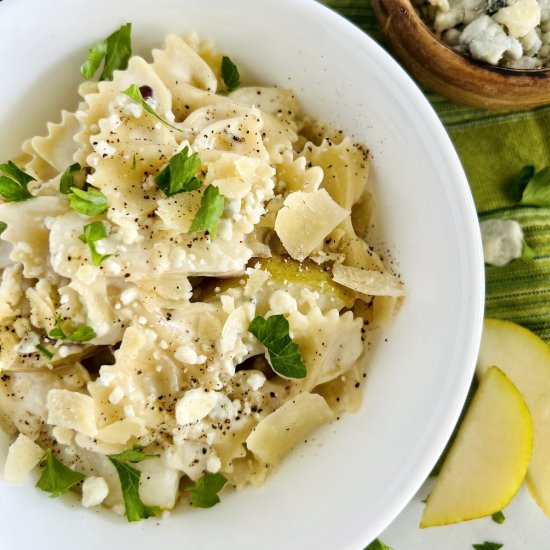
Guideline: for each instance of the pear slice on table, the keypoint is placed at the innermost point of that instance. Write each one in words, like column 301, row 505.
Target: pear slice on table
column 489, row 457
column 525, row 359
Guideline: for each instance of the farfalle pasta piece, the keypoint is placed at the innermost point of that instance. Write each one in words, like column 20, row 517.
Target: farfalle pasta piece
column 31, row 240
column 58, row 147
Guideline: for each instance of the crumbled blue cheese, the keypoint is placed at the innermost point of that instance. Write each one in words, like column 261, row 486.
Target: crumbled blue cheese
column 487, row 41
column 502, row 241
column 520, row 17
column 510, row 33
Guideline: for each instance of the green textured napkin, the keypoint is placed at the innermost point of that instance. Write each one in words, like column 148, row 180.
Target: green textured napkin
column 493, row 146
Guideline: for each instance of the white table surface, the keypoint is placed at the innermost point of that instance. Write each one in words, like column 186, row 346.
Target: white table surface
column 525, row 528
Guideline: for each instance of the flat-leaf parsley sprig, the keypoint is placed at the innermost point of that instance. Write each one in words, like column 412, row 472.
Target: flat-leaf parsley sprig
column 230, row 74
column 80, row 334
column 93, row 232
column 134, row 92
column 284, row 354
column 179, row 175
column 204, row 493
column 116, row 50
column 14, row 184
column 57, row 478
column 129, row 483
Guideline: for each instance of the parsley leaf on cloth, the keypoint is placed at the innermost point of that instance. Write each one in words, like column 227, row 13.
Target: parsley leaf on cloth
column 536, row 186
column 14, row 184
column 377, row 544
column 129, row 483
column 498, row 517
column 57, row 478
column 204, row 493
column 116, row 50
column 230, row 74
column 179, row 174
column 93, row 232
column 284, row 354
column 488, row 546
column 209, row 213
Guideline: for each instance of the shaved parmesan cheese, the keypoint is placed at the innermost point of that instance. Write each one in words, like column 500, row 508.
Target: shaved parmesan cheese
column 306, row 219
column 73, row 410
column 367, row 281
column 283, row 429
column 122, row 430
column 23, row 455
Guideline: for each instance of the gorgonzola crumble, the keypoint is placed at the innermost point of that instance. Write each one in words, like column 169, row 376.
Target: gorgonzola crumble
column 509, row 33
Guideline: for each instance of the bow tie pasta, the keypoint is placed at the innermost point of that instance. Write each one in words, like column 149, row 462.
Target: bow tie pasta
column 187, row 287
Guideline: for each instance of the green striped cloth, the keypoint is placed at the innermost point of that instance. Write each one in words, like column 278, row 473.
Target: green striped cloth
column 493, row 146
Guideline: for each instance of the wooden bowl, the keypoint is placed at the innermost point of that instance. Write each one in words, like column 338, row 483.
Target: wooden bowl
column 441, row 69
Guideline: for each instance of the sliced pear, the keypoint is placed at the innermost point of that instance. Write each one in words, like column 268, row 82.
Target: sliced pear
column 284, row 270
column 525, row 359
column 489, row 458
column 308, row 273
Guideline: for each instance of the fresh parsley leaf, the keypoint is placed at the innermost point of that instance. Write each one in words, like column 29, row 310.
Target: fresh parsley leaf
column 179, row 174
column 498, row 517
column 230, row 74
column 204, row 493
column 377, row 544
column 93, row 232
column 91, row 202
column 527, row 253
column 3, row 227
column 57, row 478
column 537, row 191
column 134, row 455
column 116, row 50
column 81, row 334
column 210, row 212
column 14, row 184
column 129, row 483
column 57, row 332
column 488, row 546
column 133, row 92
column 520, row 182
column 44, row 351
column 70, row 177
column 284, row 354
column 133, row 167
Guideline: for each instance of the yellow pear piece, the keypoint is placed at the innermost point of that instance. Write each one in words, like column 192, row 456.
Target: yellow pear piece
column 488, row 459
column 525, row 359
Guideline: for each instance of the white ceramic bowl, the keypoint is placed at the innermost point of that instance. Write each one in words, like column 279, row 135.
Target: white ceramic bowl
column 342, row 490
